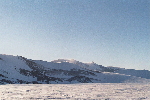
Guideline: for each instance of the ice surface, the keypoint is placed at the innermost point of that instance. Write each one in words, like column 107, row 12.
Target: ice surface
column 88, row 91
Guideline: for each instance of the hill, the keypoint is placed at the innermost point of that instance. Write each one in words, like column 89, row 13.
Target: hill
column 20, row 70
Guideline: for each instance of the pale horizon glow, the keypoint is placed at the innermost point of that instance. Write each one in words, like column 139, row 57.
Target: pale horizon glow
column 110, row 33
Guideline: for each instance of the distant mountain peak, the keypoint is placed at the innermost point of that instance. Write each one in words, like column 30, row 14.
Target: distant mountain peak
column 64, row 60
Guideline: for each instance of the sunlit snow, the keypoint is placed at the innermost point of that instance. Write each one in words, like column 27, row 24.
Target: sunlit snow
column 23, row 78
column 99, row 91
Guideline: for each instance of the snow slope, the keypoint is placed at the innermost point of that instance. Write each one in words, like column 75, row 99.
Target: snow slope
column 20, row 70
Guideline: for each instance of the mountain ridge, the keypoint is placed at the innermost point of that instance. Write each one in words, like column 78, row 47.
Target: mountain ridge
column 20, row 70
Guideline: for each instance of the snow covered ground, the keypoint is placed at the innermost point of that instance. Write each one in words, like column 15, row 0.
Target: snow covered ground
column 24, row 79
column 87, row 91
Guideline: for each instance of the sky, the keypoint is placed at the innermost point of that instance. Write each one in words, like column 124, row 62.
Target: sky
column 108, row 32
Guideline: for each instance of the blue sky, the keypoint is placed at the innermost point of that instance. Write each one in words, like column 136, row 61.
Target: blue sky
column 108, row 32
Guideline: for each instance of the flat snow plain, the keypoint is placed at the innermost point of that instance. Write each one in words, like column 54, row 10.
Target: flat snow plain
column 88, row 91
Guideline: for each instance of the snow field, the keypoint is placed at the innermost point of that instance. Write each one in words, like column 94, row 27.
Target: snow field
column 96, row 91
